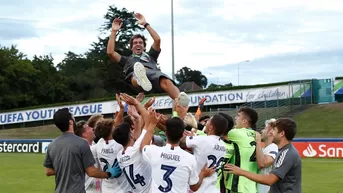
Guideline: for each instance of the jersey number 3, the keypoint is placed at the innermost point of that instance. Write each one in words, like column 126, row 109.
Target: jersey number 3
column 169, row 170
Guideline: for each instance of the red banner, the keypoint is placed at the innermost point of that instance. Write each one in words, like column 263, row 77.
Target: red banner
column 320, row 149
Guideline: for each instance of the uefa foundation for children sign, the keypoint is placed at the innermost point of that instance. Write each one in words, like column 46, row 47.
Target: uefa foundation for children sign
column 161, row 102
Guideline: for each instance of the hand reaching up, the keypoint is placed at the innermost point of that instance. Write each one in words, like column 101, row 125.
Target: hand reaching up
column 129, row 99
column 119, row 102
column 116, row 24
column 141, row 18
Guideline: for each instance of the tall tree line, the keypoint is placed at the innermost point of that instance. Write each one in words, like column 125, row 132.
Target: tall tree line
column 30, row 82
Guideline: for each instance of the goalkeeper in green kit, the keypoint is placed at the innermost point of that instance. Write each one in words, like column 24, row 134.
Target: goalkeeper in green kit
column 244, row 156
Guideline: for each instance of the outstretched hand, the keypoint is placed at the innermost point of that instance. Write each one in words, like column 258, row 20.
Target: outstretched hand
column 116, row 24
column 128, row 99
column 149, row 102
column 119, row 102
column 154, row 117
column 141, row 18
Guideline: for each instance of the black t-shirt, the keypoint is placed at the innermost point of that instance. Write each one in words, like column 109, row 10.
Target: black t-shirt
column 148, row 59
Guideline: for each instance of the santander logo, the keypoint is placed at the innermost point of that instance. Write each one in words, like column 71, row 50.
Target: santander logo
column 309, row 151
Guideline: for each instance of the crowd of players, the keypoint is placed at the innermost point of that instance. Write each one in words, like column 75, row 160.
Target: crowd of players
column 200, row 154
column 197, row 154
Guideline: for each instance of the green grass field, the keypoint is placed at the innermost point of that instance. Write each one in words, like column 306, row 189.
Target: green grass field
column 24, row 173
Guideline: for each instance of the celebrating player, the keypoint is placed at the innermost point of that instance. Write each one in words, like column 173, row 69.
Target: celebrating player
column 265, row 156
column 209, row 150
column 286, row 173
column 243, row 138
column 173, row 169
column 107, row 150
column 136, row 170
column 140, row 68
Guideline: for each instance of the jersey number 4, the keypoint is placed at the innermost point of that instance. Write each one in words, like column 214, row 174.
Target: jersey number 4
column 166, row 177
column 134, row 179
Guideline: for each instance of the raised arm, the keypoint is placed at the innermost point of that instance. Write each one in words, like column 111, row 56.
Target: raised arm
column 114, row 56
column 263, row 160
column 120, row 114
column 157, row 40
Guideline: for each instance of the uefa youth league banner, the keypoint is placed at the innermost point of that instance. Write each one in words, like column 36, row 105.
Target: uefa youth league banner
column 161, row 102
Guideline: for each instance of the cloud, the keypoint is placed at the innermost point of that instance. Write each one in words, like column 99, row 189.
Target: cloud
column 11, row 29
column 209, row 36
column 282, row 67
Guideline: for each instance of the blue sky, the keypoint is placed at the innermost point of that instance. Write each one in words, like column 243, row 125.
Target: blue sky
column 283, row 40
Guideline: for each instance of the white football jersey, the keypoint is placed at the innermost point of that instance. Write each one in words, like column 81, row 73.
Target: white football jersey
column 136, row 170
column 271, row 150
column 107, row 153
column 173, row 169
column 93, row 185
column 208, row 150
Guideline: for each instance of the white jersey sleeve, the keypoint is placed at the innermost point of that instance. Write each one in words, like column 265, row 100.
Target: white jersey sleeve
column 271, row 150
column 195, row 142
column 194, row 177
column 149, row 151
column 138, row 142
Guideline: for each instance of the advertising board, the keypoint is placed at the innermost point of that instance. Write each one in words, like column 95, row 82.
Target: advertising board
column 161, row 102
column 319, row 148
column 24, row 146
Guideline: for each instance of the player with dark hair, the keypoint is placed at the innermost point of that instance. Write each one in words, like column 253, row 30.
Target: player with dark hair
column 69, row 157
column 285, row 176
column 107, row 150
column 243, row 140
column 209, row 150
column 140, row 68
column 173, row 169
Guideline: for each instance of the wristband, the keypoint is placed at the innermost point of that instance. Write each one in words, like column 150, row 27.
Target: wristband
column 146, row 24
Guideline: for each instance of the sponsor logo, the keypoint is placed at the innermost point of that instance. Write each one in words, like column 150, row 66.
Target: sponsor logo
column 45, row 146
column 320, row 149
column 309, row 151
column 19, row 147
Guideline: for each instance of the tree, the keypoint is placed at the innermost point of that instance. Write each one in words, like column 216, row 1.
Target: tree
column 49, row 85
column 186, row 74
column 112, row 74
column 218, row 86
column 16, row 73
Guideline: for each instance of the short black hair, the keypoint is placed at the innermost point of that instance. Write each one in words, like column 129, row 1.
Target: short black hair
column 122, row 133
column 251, row 114
column 220, row 124
column 229, row 121
column 79, row 128
column 175, row 128
column 204, row 117
column 288, row 126
column 61, row 119
column 127, row 119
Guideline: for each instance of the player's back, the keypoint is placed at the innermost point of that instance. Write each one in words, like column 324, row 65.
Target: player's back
column 244, row 157
column 208, row 150
column 173, row 169
column 136, row 170
column 107, row 152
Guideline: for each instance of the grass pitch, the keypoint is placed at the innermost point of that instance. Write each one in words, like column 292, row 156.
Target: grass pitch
column 24, row 173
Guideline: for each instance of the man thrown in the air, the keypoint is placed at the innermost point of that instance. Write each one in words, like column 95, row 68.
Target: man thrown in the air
column 140, row 68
